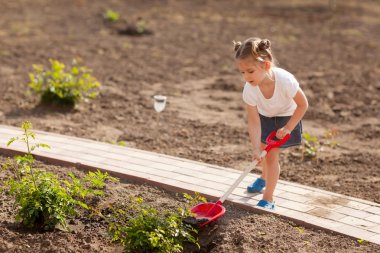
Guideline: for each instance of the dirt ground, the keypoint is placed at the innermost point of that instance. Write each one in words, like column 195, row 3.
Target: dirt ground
column 237, row 231
column 189, row 58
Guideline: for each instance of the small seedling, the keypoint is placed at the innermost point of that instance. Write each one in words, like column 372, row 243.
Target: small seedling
column 137, row 28
column 111, row 16
column 362, row 241
column 330, row 135
column 310, row 146
column 119, row 143
column 127, row 45
column 97, row 179
column 300, row 229
column 140, row 25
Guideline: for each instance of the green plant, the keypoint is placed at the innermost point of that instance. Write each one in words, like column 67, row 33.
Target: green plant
column 300, row 229
column 126, row 45
column 45, row 201
column 97, row 179
column 330, row 135
column 119, row 143
column 58, row 86
column 193, row 200
column 140, row 25
column 310, row 146
column 141, row 228
column 111, row 16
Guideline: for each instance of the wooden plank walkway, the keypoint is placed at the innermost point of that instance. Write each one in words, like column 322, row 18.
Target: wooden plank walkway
column 305, row 205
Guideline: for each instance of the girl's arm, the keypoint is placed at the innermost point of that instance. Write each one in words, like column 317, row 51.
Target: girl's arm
column 254, row 129
column 300, row 111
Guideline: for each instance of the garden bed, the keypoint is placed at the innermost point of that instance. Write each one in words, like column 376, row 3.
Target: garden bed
column 237, row 231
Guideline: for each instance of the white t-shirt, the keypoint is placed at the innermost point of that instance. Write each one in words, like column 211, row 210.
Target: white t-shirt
column 281, row 103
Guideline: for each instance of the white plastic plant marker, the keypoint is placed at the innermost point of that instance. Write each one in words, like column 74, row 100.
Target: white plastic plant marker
column 159, row 106
column 159, row 103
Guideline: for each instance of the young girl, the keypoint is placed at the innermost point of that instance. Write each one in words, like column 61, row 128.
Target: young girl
column 275, row 102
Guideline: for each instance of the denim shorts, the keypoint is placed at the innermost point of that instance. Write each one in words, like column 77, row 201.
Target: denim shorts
column 270, row 124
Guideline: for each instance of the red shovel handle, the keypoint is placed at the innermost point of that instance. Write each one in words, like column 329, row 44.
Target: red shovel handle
column 273, row 143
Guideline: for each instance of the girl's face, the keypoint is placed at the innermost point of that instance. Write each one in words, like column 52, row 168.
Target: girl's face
column 252, row 72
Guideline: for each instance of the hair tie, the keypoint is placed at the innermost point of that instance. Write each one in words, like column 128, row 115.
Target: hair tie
column 237, row 45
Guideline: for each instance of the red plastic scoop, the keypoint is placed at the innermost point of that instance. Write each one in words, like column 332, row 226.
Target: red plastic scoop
column 208, row 212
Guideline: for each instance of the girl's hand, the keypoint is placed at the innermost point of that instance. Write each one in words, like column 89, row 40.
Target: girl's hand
column 256, row 156
column 282, row 132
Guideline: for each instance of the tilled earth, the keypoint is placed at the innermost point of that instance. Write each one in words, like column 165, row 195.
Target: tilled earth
column 237, row 231
column 188, row 57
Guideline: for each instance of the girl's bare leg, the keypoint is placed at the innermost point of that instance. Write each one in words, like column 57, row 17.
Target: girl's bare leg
column 271, row 171
column 263, row 164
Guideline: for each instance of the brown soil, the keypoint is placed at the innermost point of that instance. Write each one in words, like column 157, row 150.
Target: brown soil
column 187, row 56
column 237, row 231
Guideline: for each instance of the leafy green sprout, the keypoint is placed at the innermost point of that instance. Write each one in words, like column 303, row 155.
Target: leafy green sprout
column 127, row 45
column 310, row 146
column 63, row 87
column 97, row 179
column 119, row 143
column 111, row 16
column 27, row 160
column 330, row 135
column 193, row 200
column 300, row 229
column 140, row 25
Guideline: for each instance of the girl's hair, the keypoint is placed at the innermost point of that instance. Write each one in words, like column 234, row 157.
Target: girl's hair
column 257, row 48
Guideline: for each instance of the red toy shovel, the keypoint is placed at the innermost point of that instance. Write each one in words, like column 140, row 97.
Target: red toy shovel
column 208, row 212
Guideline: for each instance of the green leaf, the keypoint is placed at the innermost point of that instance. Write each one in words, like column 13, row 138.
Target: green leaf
column 42, row 145
column 83, row 205
column 12, row 140
column 75, row 71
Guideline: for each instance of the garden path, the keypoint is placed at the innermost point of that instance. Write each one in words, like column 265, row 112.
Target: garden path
column 304, row 205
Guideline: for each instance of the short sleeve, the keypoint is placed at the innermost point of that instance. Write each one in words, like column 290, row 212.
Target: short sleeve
column 292, row 87
column 249, row 95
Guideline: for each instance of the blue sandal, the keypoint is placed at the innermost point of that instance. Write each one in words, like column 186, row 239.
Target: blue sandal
column 266, row 204
column 256, row 186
